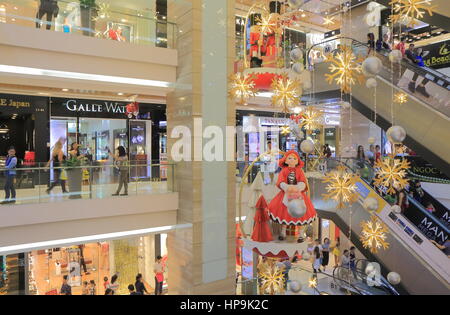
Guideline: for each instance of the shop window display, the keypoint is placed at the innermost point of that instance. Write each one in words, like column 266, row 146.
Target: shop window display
column 96, row 261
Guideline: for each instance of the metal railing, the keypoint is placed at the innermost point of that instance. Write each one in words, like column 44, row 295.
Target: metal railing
column 44, row 184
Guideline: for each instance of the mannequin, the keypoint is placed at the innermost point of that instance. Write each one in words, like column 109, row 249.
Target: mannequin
column 49, row 8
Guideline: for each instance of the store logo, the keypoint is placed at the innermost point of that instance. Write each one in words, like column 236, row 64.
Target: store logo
column 109, row 107
column 13, row 103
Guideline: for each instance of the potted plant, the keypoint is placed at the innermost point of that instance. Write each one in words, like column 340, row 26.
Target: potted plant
column 74, row 177
column 87, row 13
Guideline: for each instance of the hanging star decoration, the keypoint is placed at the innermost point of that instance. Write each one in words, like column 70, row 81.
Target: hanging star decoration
column 285, row 130
column 103, row 12
column 400, row 98
column 391, row 173
column 312, row 283
column 341, row 187
column 410, row 11
column 328, row 20
column 272, row 278
column 373, row 234
column 286, row 93
column 311, row 119
column 345, row 69
column 241, row 88
column 268, row 24
column 296, row 118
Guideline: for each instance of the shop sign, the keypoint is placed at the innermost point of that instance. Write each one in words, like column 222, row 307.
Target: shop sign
column 271, row 121
column 439, row 55
column 5, row 102
column 88, row 108
column 427, row 224
column 332, row 119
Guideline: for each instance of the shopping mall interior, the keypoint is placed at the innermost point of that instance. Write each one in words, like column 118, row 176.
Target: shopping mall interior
column 224, row 147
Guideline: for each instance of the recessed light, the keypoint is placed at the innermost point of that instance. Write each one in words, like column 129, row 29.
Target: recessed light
column 120, row 94
column 123, row 20
column 65, row 90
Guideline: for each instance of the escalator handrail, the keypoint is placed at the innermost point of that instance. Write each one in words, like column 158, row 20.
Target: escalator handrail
column 363, row 278
column 410, row 199
column 359, row 273
column 412, row 67
column 385, row 283
column 335, row 277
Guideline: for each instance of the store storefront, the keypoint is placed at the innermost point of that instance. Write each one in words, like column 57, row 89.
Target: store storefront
column 101, row 126
column 24, row 125
column 40, row 272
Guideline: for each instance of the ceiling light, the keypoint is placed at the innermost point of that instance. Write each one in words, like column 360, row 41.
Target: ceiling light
column 82, row 76
column 120, row 93
column 65, row 90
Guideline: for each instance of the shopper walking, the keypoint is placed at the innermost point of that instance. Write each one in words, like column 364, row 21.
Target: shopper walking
column 66, row 289
column 85, row 288
column 57, row 158
column 353, row 261
column 158, row 269
column 121, row 162
column 325, row 253
column 10, row 175
column 139, row 285
column 92, row 288
column 114, row 285
column 337, row 252
column 316, row 260
column 132, row 291
column 105, row 283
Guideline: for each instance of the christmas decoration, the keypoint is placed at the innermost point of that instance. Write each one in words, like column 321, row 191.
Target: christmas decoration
column 391, row 173
column 272, row 278
column 396, row 134
column 396, row 209
column 261, row 230
column 307, row 146
column 285, row 130
column 312, row 283
column 328, row 20
column 345, row 69
column 371, row 83
column 312, row 119
column 395, row 56
column 103, row 12
column 370, row 204
column 373, row 235
column 410, row 10
column 286, row 93
column 295, row 286
column 341, row 187
column 372, row 66
column 394, row 278
column 132, row 109
column 242, row 88
column 401, row 98
column 268, row 24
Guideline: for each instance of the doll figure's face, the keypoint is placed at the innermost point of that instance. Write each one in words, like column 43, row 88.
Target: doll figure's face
column 292, row 161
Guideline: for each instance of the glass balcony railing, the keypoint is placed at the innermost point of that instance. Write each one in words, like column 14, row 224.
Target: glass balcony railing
column 103, row 21
column 54, row 184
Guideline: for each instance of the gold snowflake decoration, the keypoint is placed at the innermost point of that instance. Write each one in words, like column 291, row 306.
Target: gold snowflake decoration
column 286, row 93
column 410, row 10
column 285, row 130
column 311, row 119
column 345, row 69
column 400, row 98
column 341, row 187
column 268, row 24
column 103, row 12
column 242, row 87
column 391, row 173
column 373, row 235
column 312, row 283
column 328, row 20
column 272, row 278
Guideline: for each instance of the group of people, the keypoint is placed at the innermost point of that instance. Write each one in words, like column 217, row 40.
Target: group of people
column 111, row 287
column 58, row 161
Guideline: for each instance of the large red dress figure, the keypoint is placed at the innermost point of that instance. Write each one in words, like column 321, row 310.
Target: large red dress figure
column 291, row 180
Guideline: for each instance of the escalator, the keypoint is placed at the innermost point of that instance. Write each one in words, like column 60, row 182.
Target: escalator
column 426, row 120
column 411, row 253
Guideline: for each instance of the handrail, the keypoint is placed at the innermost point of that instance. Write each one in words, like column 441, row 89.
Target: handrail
column 45, row 168
column 385, row 285
column 414, row 68
column 410, row 199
